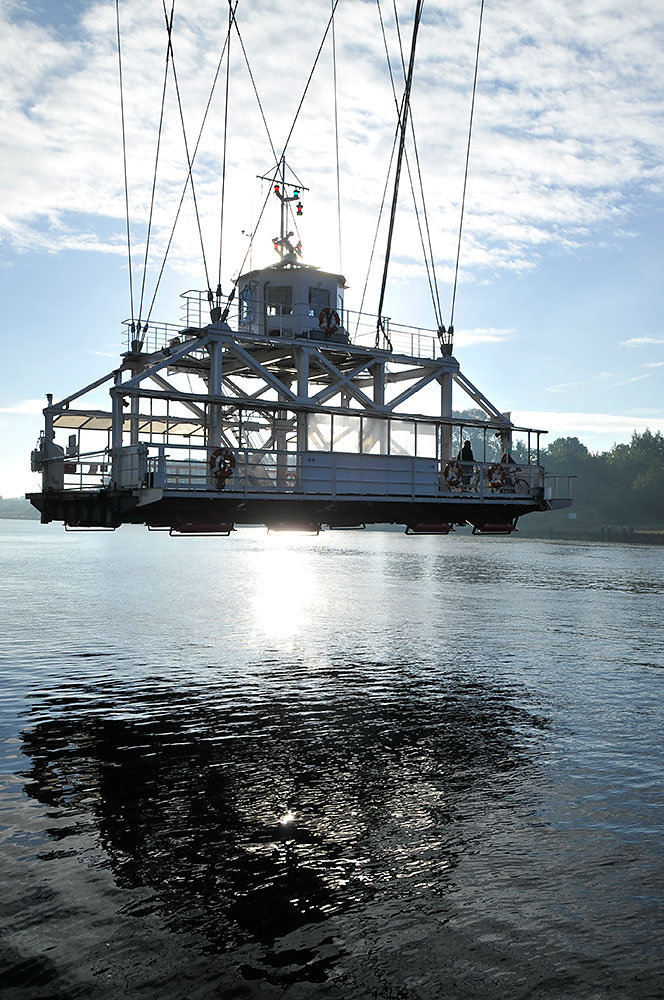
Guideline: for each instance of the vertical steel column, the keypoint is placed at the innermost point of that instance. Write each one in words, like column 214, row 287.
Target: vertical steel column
column 446, row 412
column 302, row 362
column 134, row 408
column 378, row 373
column 117, row 420
column 215, row 388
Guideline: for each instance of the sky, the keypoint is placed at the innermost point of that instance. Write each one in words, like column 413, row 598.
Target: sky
column 558, row 314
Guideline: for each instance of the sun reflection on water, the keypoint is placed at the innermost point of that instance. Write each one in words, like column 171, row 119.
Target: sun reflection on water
column 284, row 588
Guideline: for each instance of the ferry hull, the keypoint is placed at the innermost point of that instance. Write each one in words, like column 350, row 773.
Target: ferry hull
column 110, row 509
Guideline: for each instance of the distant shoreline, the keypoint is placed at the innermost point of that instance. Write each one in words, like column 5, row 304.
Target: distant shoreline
column 609, row 534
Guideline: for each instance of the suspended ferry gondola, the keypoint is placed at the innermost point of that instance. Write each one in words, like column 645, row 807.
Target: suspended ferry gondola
column 279, row 405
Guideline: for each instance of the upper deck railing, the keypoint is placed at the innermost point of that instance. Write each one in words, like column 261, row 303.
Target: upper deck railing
column 295, row 322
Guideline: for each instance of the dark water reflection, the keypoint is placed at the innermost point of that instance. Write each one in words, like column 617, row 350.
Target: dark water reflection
column 345, row 767
column 246, row 821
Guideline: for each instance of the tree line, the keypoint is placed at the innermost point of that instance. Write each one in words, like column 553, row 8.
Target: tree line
column 623, row 486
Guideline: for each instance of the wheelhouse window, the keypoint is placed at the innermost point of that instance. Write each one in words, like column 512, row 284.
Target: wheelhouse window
column 247, row 304
column 319, row 298
column 280, row 300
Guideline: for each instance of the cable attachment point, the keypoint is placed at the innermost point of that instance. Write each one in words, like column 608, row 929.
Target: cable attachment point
column 224, row 315
column 445, row 340
column 381, row 328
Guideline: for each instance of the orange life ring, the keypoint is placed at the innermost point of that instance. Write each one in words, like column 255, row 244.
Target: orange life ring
column 222, row 463
column 495, row 476
column 328, row 320
column 452, row 473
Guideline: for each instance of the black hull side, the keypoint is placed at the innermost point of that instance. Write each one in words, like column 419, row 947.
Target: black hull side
column 109, row 509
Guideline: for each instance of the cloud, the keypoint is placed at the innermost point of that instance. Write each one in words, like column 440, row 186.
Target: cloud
column 483, row 335
column 563, row 386
column 654, row 364
column 564, row 134
column 580, row 424
column 634, row 378
column 640, row 341
column 26, row 406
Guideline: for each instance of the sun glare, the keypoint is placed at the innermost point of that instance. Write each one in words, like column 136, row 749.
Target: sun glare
column 285, row 588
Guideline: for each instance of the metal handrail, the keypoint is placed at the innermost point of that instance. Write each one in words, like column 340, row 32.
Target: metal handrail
column 356, row 328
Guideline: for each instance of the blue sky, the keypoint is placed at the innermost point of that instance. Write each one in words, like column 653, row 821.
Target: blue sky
column 558, row 313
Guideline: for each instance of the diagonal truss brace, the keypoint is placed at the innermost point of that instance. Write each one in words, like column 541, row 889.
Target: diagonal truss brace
column 260, row 370
column 166, row 360
column 430, row 376
column 479, row 398
column 344, row 382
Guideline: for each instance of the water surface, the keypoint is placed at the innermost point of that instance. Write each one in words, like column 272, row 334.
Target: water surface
column 357, row 765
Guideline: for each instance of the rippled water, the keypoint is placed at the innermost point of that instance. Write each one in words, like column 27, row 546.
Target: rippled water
column 352, row 766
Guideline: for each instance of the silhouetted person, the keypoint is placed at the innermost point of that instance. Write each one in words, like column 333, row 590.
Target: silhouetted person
column 466, row 456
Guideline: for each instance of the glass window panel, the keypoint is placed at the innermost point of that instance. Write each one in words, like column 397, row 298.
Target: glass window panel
column 346, row 433
column 279, row 300
column 402, row 437
column 374, row 436
column 319, row 298
column 426, row 440
column 247, row 304
column 319, row 431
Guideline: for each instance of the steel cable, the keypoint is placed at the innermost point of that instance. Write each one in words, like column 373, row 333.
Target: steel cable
column 223, row 169
column 186, row 183
column 124, row 158
column 154, row 178
column 465, row 176
column 336, row 135
column 169, row 28
column 429, row 266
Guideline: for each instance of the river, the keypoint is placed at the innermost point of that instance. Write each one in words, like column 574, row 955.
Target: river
column 358, row 765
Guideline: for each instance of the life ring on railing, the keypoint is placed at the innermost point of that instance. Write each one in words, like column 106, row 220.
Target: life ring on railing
column 495, row 476
column 328, row 320
column 222, row 463
column 291, row 477
column 452, row 474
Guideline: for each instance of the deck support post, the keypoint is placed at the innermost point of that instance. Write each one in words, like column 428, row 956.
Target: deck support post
column 445, row 411
column 302, row 362
column 215, row 388
column 378, row 374
column 117, row 424
column 134, row 408
column 281, row 425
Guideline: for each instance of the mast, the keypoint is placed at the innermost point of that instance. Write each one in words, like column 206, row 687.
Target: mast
column 277, row 178
column 380, row 328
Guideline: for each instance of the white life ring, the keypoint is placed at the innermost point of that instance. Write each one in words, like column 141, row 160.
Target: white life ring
column 222, row 463
column 452, row 473
column 495, row 476
column 328, row 320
